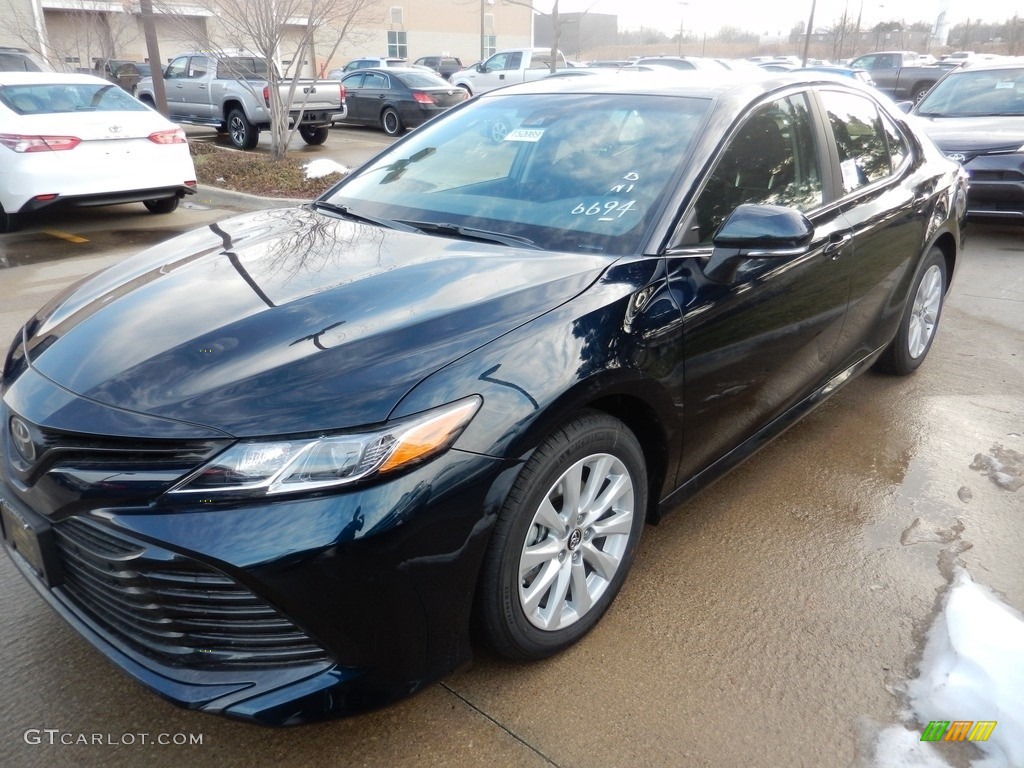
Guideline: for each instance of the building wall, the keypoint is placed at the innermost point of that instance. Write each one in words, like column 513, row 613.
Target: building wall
column 89, row 29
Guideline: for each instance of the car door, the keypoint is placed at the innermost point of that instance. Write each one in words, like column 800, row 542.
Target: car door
column 373, row 93
column 174, row 80
column 882, row 189
column 760, row 342
column 194, row 88
column 353, row 96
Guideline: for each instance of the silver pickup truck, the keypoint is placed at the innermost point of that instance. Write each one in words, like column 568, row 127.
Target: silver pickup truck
column 231, row 94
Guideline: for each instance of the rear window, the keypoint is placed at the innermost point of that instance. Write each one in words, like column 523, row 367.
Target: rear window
column 44, row 99
column 424, row 80
column 242, row 67
column 17, row 62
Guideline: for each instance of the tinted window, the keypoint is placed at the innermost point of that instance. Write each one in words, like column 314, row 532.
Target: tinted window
column 177, row 68
column 242, row 67
column 896, row 142
column 857, row 127
column 375, row 80
column 771, row 159
column 424, row 80
column 16, row 62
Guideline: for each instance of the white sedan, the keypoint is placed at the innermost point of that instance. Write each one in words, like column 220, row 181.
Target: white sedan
column 71, row 140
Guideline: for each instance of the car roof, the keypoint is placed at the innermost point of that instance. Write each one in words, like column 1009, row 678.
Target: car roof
column 48, row 78
column 1009, row 62
column 406, row 70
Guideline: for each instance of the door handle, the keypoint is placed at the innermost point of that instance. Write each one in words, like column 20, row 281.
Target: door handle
column 836, row 244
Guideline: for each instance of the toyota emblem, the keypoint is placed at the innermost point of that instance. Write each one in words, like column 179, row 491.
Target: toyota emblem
column 22, row 438
column 115, row 129
column 960, row 157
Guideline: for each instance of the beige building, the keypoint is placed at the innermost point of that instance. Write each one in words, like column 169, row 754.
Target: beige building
column 74, row 33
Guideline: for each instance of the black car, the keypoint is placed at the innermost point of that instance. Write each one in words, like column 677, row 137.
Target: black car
column 279, row 467
column 445, row 66
column 975, row 114
column 397, row 98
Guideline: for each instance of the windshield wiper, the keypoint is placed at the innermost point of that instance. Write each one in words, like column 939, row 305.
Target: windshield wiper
column 347, row 212
column 472, row 233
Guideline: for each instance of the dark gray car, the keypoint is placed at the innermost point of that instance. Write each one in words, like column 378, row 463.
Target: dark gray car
column 975, row 115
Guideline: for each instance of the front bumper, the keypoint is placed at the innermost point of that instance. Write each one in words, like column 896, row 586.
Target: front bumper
column 275, row 611
column 997, row 185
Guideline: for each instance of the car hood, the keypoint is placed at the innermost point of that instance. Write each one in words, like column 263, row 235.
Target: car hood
column 974, row 134
column 288, row 321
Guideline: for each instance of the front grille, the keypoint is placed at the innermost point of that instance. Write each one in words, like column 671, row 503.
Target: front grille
column 173, row 608
column 1008, row 176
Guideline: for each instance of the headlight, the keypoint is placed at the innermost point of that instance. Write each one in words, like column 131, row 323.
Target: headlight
column 258, row 468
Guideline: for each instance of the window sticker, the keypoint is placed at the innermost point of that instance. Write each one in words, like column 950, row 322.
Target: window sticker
column 531, row 135
column 851, row 174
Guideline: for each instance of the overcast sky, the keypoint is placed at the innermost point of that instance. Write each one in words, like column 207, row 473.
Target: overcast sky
column 699, row 16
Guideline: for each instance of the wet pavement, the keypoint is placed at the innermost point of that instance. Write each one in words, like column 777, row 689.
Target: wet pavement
column 770, row 621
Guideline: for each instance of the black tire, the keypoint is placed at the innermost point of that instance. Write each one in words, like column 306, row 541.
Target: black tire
column 162, row 204
column 920, row 319
column 314, row 136
column 148, row 101
column 241, row 132
column 919, row 93
column 531, row 605
column 8, row 221
column 391, row 122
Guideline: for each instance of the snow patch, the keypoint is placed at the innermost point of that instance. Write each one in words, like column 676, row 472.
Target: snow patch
column 317, row 169
column 972, row 669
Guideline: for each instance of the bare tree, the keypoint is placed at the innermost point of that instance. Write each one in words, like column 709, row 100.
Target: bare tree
column 272, row 30
column 558, row 22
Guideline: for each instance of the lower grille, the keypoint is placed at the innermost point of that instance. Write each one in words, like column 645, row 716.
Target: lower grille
column 172, row 608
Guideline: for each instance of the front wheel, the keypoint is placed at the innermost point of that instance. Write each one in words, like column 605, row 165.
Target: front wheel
column 161, row 205
column 241, row 132
column 920, row 318
column 314, row 135
column 920, row 93
column 391, row 122
column 564, row 539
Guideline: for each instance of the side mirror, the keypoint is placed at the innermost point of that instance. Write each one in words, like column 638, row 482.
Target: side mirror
column 905, row 106
column 757, row 232
column 480, row 68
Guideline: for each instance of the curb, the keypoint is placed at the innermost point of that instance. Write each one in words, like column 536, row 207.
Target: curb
column 218, row 196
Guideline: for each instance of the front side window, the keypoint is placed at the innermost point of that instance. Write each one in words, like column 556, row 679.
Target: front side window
column 772, row 159
column 177, row 69
column 567, row 172
column 863, row 149
column 398, row 45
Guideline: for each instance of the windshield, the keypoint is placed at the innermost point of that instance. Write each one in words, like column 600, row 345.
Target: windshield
column 563, row 171
column 973, row 93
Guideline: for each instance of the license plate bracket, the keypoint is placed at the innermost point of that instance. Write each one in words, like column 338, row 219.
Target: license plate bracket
column 31, row 538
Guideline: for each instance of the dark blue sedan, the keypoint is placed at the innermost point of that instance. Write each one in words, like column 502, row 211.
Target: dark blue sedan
column 278, row 468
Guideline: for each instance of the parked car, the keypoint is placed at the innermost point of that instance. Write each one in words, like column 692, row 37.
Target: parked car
column 397, row 98
column 515, row 65
column 231, row 92
column 445, row 66
column 368, row 62
column 20, row 60
column 857, row 74
column 69, row 140
column 976, row 116
column 449, row 392
column 683, row 62
column 899, row 73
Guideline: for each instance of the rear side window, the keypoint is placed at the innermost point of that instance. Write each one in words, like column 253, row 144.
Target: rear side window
column 864, row 151
column 79, row 97
column 242, row 67
column 16, row 62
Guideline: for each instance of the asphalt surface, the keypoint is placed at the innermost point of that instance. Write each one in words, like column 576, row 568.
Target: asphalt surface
column 770, row 621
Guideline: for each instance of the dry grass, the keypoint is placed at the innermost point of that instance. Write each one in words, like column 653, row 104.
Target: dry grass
column 255, row 174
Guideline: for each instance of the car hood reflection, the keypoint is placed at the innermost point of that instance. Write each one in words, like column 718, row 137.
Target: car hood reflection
column 289, row 320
